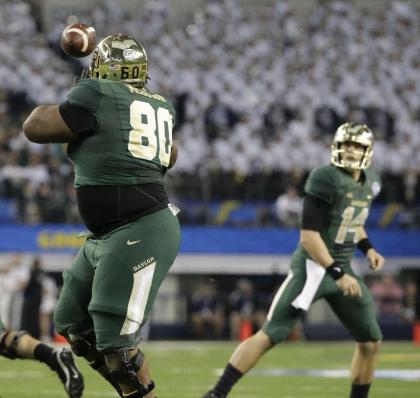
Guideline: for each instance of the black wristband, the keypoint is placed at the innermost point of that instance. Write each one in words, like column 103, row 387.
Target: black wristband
column 364, row 245
column 335, row 270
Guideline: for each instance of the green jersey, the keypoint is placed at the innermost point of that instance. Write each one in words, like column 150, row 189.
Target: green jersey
column 132, row 139
column 349, row 207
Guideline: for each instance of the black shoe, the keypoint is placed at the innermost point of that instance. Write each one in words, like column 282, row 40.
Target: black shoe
column 68, row 372
column 213, row 394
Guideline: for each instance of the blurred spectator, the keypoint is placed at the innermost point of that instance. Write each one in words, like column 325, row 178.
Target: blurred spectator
column 409, row 302
column 277, row 119
column 244, row 310
column 46, row 310
column 13, row 278
column 51, row 204
column 32, row 296
column 288, row 207
column 326, row 120
column 381, row 122
column 388, row 295
column 206, row 313
column 219, row 118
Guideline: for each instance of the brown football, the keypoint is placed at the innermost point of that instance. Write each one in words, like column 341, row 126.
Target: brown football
column 78, row 40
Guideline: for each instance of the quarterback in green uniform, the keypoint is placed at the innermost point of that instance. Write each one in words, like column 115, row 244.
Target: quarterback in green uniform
column 20, row 345
column 336, row 205
column 120, row 141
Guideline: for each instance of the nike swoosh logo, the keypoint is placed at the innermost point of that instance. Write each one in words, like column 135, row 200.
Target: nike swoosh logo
column 133, row 242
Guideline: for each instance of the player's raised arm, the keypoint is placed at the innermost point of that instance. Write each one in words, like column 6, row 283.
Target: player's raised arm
column 45, row 125
column 66, row 122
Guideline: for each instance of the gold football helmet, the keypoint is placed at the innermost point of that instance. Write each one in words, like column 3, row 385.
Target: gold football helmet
column 356, row 133
column 120, row 57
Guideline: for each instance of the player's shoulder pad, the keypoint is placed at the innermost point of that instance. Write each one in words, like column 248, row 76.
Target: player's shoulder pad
column 86, row 93
column 326, row 173
column 170, row 107
column 145, row 92
column 88, row 84
column 167, row 103
column 323, row 182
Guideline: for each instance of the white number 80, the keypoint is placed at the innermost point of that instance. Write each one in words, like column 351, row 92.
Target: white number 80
column 152, row 132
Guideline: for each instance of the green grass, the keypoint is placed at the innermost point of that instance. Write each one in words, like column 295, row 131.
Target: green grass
column 187, row 370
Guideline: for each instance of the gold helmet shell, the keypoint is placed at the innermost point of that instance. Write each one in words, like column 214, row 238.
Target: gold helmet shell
column 359, row 134
column 120, row 57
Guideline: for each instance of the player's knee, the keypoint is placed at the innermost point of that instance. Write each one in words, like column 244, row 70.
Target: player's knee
column 123, row 366
column 130, row 359
column 9, row 344
column 369, row 348
column 84, row 345
column 263, row 340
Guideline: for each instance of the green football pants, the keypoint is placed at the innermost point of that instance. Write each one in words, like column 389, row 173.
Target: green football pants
column 112, row 283
column 356, row 313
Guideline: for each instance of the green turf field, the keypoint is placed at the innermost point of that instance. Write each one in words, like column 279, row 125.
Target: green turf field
column 186, row 370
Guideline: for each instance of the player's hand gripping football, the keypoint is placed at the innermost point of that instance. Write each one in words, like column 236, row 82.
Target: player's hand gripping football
column 376, row 261
column 349, row 285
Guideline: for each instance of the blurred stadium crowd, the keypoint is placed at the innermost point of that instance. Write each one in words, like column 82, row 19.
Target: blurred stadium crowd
column 259, row 91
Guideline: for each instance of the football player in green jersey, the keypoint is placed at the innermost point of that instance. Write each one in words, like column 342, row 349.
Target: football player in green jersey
column 336, row 205
column 120, row 141
column 19, row 344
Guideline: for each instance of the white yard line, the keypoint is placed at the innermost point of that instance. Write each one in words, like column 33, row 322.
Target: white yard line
column 394, row 374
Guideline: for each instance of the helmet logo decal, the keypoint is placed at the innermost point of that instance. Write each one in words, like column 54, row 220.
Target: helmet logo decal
column 131, row 54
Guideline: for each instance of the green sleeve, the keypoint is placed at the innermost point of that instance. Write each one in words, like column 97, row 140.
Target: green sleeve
column 322, row 184
column 85, row 93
